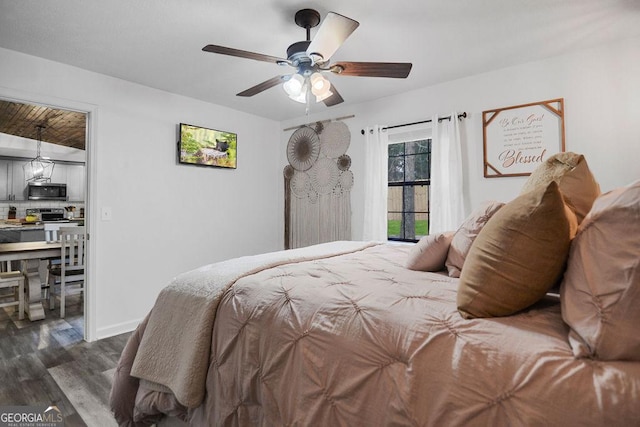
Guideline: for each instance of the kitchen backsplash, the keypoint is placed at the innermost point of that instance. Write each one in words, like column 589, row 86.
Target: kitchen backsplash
column 22, row 206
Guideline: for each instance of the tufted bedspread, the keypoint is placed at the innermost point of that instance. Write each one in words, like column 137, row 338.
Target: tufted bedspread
column 359, row 340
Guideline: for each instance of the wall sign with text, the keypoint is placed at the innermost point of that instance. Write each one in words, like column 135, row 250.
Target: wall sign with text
column 518, row 139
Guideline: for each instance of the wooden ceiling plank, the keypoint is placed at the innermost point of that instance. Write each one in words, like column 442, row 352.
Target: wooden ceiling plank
column 64, row 127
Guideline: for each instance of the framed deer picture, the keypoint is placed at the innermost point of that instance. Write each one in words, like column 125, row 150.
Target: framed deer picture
column 207, row 147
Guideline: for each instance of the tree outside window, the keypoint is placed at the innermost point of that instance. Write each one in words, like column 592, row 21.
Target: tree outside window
column 409, row 175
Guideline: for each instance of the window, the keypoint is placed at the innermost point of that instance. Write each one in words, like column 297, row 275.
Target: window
column 409, row 174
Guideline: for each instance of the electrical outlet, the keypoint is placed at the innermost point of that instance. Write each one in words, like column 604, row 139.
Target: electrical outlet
column 106, row 214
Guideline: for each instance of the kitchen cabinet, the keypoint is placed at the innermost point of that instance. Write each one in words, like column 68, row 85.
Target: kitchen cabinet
column 5, row 179
column 75, row 183
column 12, row 183
column 24, row 234
column 59, row 174
column 18, row 182
column 32, row 235
column 73, row 176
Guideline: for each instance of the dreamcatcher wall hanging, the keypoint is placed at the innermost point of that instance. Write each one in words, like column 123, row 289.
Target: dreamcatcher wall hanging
column 318, row 185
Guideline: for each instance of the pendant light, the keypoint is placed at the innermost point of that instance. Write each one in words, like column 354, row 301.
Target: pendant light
column 39, row 169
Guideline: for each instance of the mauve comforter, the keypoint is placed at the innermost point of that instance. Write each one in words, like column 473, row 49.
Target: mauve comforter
column 359, row 340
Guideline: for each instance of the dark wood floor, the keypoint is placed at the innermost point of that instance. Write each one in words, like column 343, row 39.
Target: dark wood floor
column 47, row 362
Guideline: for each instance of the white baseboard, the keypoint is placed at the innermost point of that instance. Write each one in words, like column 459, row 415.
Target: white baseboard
column 118, row 329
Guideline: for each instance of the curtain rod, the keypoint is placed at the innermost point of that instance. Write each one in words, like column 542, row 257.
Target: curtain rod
column 462, row 115
column 319, row 121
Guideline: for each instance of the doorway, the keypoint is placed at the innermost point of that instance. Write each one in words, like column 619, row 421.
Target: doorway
column 66, row 130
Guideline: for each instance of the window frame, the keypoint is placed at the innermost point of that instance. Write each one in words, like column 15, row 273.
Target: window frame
column 411, row 184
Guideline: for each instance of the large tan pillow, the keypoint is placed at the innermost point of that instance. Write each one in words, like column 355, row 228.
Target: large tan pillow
column 600, row 292
column 430, row 252
column 467, row 233
column 517, row 257
column 577, row 184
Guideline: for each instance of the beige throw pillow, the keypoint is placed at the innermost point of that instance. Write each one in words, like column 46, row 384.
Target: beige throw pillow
column 430, row 253
column 517, row 257
column 600, row 292
column 467, row 233
column 577, row 184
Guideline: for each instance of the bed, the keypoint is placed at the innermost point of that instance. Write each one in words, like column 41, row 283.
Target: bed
column 344, row 333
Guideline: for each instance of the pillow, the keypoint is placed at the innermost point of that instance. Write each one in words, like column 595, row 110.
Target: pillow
column 467, row 233
column 577, row 184
column 517, row 257
column 600, row 293
column 430, row 253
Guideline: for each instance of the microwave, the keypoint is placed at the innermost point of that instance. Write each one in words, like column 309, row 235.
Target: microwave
column 46, row 191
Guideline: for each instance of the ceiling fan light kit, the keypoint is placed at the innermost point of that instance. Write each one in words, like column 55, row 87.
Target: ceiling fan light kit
column 298, row 87
column 319, row 85
column 311, row 58
column 294, row 85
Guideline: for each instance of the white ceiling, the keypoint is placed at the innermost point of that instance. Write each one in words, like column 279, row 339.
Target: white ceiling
column 158, row 43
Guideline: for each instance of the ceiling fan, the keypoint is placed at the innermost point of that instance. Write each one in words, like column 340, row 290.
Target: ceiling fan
column 311, row 58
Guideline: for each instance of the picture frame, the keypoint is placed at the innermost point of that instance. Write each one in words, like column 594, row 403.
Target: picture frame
column 201, row 146
column 517, row 139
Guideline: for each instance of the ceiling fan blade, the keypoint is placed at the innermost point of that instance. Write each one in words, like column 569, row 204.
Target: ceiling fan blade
column 333, row 31
column 398, row 70
column 243, row 54
column 263, row 86
column 334, row 99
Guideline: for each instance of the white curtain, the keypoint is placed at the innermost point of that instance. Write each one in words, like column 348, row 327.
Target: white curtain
column 375, row 184
column 447, row 196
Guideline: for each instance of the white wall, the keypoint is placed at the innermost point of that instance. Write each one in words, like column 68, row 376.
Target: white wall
column 601, row 91
column 167, row 218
